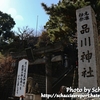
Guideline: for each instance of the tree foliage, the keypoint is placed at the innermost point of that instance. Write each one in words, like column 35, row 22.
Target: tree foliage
column 6, row 24
column 62, row 18
column 43, row 39
column 6, row 68
column 6, row 33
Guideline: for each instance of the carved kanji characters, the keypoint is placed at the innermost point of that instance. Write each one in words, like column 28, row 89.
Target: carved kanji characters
column 83, row 16
column 87, row 56
column 88, row 73
column 85, row 29
column 86, row 17
column 84, row 73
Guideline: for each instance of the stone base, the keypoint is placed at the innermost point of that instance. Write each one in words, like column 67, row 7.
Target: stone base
column 32, row 97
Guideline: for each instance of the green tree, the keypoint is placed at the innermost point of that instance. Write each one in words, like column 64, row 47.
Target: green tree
column 6, row 33
column 6, row 24
column 61, row 25
column 62, row 18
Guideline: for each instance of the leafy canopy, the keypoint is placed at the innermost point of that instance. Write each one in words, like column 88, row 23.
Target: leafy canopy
column 61, row 25
column 6, row 24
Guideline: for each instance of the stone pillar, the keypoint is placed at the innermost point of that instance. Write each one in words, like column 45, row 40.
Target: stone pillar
column 88, row 53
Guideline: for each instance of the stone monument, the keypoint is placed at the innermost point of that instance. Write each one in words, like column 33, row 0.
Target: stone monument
column 88, row 57
column 88, row 50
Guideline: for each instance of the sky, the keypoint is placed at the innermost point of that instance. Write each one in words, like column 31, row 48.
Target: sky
column 27, row 12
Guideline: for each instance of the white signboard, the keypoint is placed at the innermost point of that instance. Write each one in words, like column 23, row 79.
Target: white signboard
column 21, row 78
column 87, row 47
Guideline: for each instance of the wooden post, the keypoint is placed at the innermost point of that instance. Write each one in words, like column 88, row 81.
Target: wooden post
column 21, row 97
column 48, row 68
